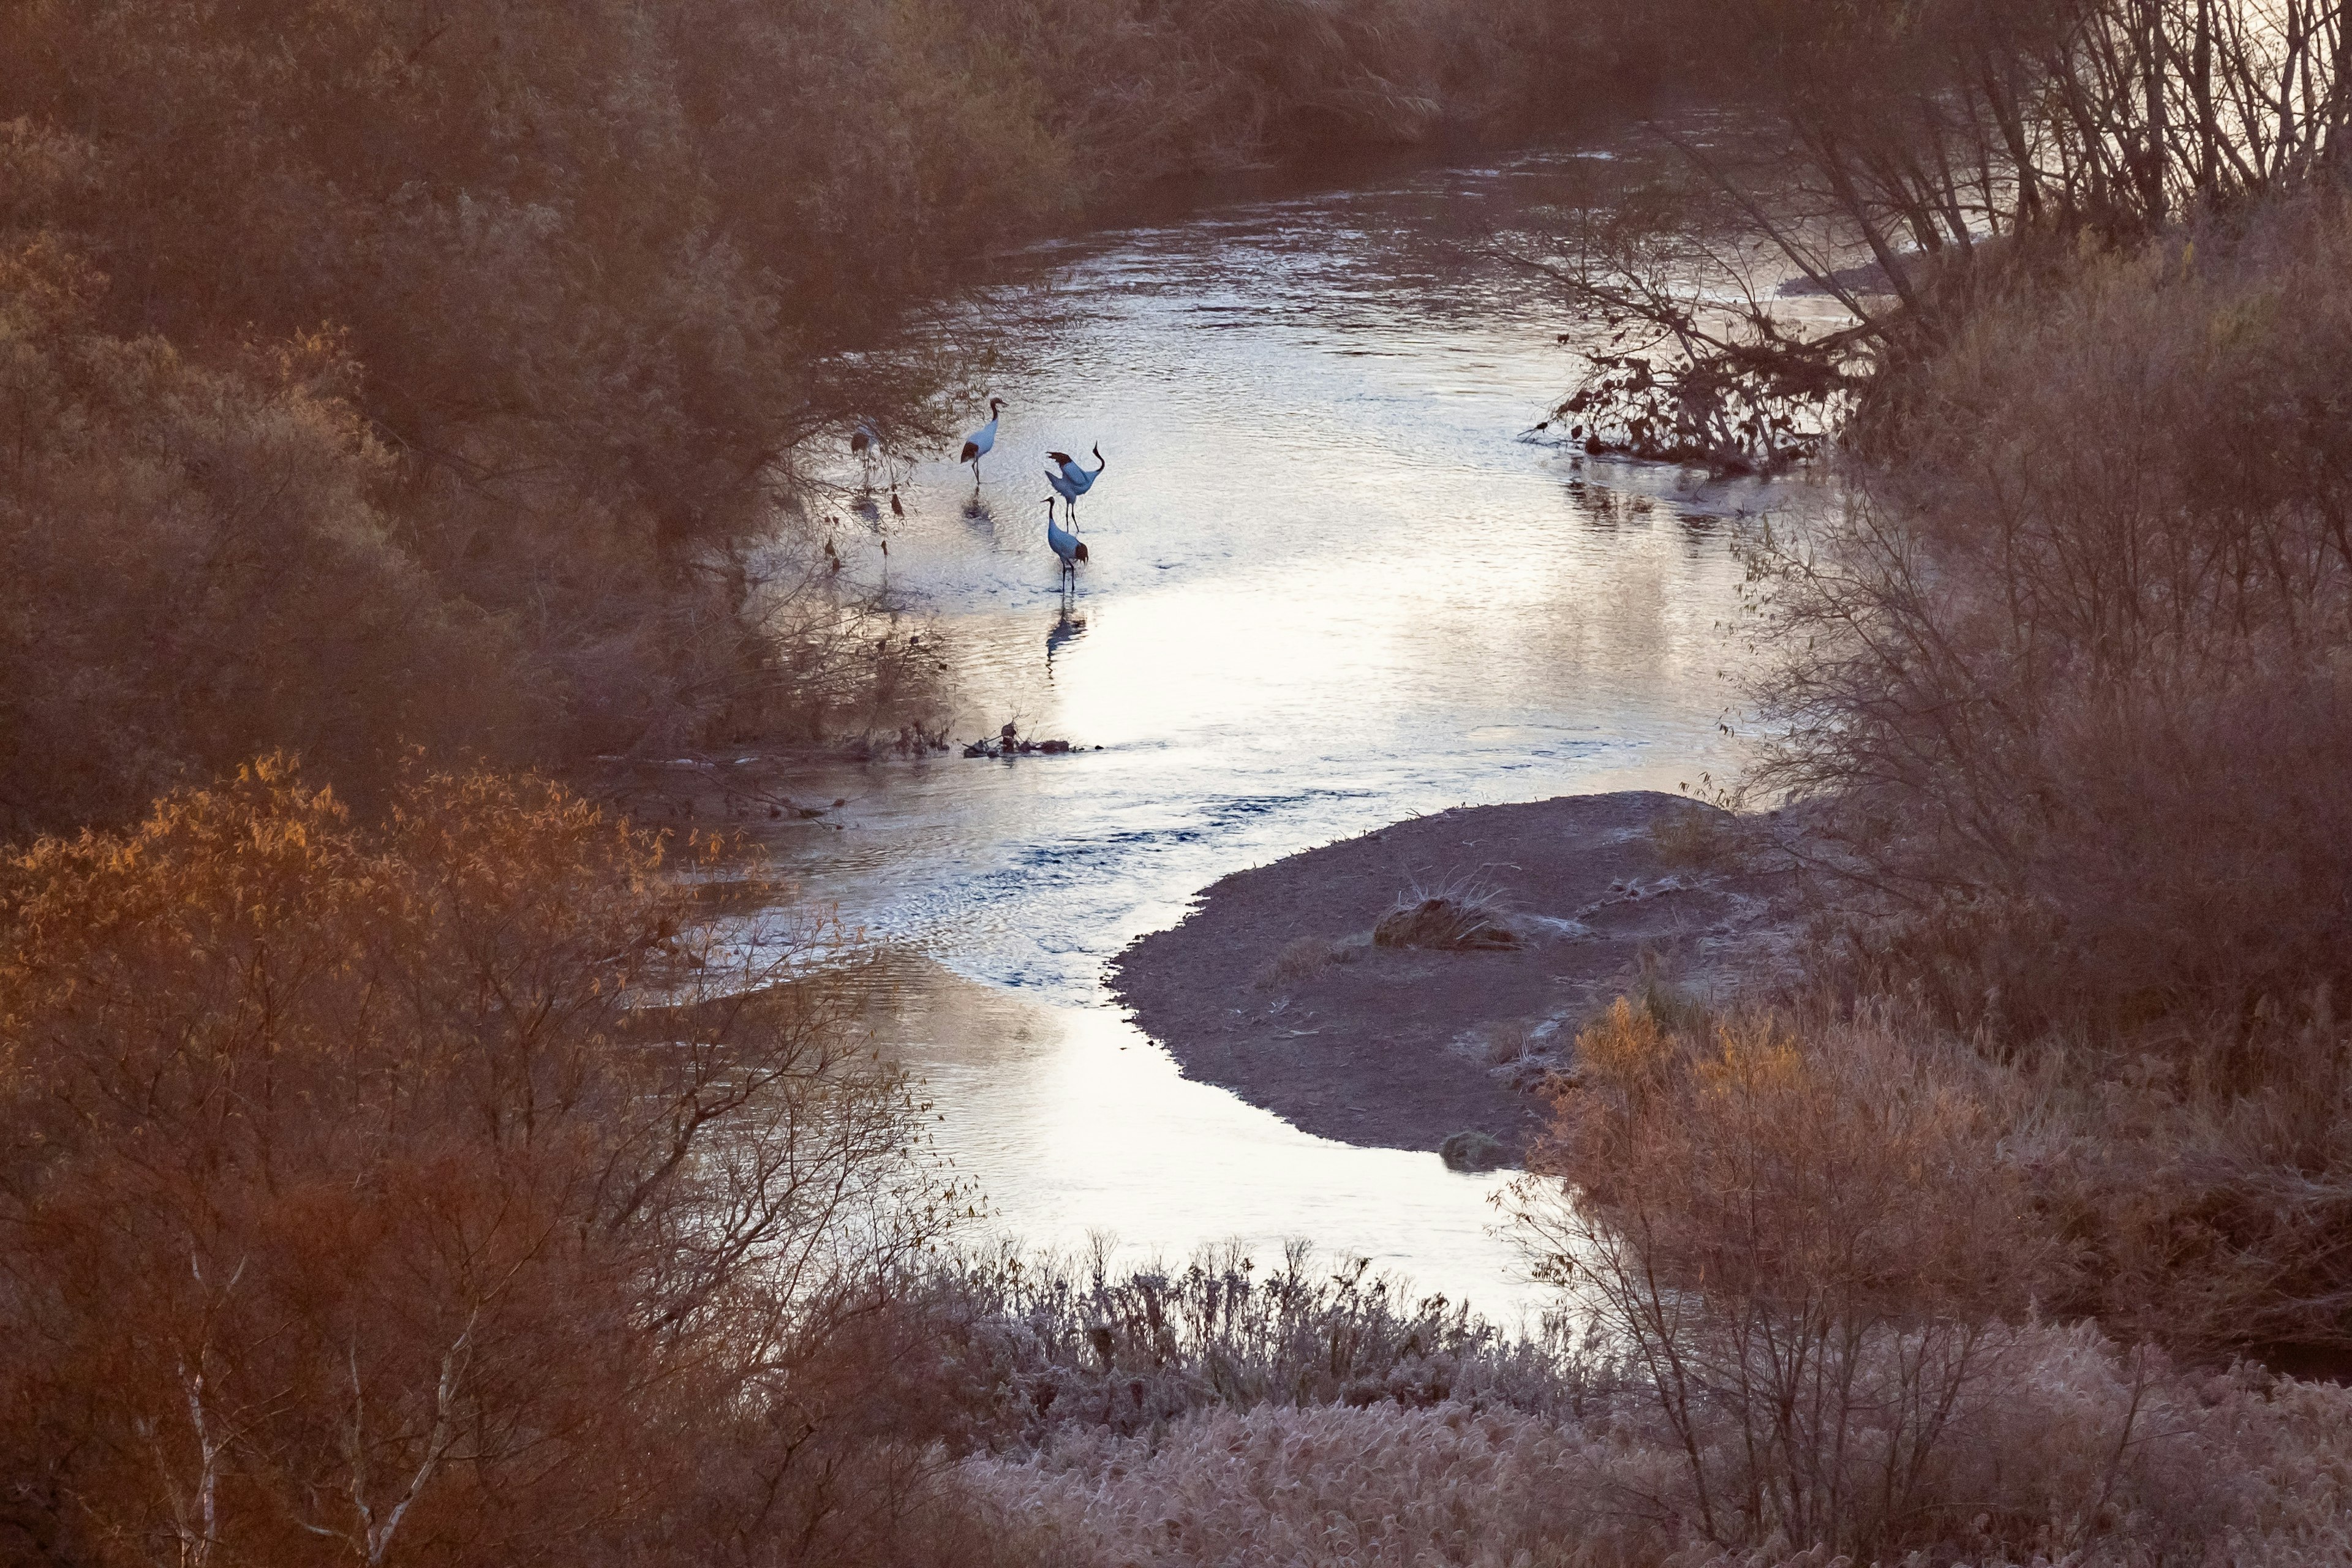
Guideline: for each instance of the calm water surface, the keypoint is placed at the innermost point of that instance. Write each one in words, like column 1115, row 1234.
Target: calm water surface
column 1330, row 586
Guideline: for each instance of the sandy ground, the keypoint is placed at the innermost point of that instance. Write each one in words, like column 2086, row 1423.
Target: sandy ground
column 1401, row 1048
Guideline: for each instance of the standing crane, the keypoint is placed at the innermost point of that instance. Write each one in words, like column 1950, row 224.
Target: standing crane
column 1071, row 481
column 1068, row 545
column 980, row 442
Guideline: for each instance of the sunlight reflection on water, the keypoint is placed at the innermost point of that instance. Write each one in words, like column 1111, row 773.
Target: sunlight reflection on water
column 1329, row 587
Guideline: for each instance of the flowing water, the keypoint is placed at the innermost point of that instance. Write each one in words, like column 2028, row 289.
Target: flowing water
column 1329, row 586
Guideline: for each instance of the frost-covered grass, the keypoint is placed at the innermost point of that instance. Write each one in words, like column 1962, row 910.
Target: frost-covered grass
column 1040, row 1345
column 2085, row 1456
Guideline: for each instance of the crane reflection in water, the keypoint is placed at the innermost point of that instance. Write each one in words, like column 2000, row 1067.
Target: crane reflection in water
column 1067, row 629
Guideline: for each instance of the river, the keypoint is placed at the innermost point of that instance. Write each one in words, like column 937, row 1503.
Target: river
column 1329, row 585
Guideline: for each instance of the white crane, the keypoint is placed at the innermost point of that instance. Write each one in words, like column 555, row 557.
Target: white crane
column 1068, row 545
column 980, row 442
column 1071, row 481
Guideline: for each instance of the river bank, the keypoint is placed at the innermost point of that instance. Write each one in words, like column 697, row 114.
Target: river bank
column 1265, row 667
column 1286, row 986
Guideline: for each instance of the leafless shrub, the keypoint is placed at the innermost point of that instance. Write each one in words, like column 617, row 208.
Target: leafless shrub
column 1751, row 1213
column 1823, row 1245
column 1033, row 1346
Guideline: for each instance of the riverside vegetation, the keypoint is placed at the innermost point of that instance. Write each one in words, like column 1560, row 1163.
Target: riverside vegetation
column 449, row 376
column 441, row 1179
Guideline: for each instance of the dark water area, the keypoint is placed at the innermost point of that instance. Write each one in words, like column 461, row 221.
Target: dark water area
column 1331, row 584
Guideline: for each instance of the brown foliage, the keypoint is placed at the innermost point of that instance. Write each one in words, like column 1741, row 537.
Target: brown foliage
column 1820, row 1246
column 1806, row 1244
column 2071, row 665
column 437, row 1192
column 200, row 568
column 1775, row 1166
column 431, row 374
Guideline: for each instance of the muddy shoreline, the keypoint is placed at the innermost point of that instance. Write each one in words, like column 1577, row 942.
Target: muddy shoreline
column 1273, row 986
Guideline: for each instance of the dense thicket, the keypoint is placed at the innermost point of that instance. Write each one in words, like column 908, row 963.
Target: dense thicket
column 2064, row 674
column 432, row 369
column 2059, row 688
column 354, row 1207
column 2071, row 661
column 1834, row 1250
column 2066, row 671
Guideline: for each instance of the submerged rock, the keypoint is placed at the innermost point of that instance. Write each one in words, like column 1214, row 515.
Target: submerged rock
column 1471, row 1150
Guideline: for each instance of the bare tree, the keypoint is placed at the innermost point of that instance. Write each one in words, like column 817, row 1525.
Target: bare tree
column 1909, row 162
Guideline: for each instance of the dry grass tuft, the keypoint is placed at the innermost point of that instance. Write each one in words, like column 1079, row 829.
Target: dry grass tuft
column 1697, row 836
column 1514, row 1040
column 1461, row 916
column 1302, row 958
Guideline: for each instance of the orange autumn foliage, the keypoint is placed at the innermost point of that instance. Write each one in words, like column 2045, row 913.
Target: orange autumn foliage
column 420, row 1193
